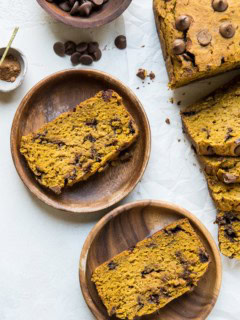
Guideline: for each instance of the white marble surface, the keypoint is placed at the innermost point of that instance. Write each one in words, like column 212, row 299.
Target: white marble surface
column 40, row 246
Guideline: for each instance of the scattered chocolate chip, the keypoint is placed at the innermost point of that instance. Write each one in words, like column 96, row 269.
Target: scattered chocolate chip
column 142, row 74
column 167, row 121
column 59, row 49
column 220, row 5
column 140, row 304
column 179, row 46
column 92, row 47
column 154, row 298
column 121, row 42
column 82, row 47
column 227, row 30
column 203, row 256
column 70, row 47
column 183, row 23
column 86, row 59
column 75, row 58
column 112, row 265
column 204, row 37
column 229, row 178
column 173, row 230
column 152, row 75
column 97, row 55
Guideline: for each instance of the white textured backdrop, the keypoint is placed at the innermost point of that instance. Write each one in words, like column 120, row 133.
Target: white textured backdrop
column 40, row 246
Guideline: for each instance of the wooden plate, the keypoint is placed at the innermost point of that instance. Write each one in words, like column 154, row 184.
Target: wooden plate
column 123, row 228
column 109, row 12
column 61, row 92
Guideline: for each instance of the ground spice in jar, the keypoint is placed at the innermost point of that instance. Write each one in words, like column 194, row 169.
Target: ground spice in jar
column 10, row 69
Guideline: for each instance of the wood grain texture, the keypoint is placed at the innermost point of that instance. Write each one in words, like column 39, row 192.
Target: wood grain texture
column 61, row 92
column 109, row 12
column 127, row 225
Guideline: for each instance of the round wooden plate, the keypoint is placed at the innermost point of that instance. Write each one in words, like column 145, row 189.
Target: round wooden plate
column 61, row 92
column 123, row 228
column 110, row 11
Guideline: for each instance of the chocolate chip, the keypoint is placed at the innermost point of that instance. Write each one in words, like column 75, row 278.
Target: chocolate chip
column 220, row 5
column 228, row 135
column 112, row 265
column 92, row 47
column 203, row 256
column 59, row 49
column 167, row 121
column 189, row 113
column 70, row 47
column 227, row 30
column 152, row 75
column 65, row 6
column 140, row 304
column 237, row 151
column 146, row 271
column 56, row 190
column 86, row 59
column 154, row 298
column 85, row 8
column 97, row 2
column 121, row 42
column 92, row 123
column 207, row 131
column 204, row 37
column 229, row 178
column 107, row 95
column 230, row 233
column 183, row 23
column 130, row 126
column 75, row 58
column 175, row 230
column 74, row 9
column 210, row 150
column 82, row 47
column 179, row 46
column 97, row 55
column 142, row 73
column 89, row 138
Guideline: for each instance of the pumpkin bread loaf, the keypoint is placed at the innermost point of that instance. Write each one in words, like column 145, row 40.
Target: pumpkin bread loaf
column 229, row 234
column 143, row 279
column 81, row 142
column 226, row 169
column 199, row 38
column 213, row 124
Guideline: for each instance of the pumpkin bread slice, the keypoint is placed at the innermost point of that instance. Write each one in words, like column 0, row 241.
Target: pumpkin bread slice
column 159, row 269
column 213, row 124
column 226, row 169
column 79, row 143
column 229, row 234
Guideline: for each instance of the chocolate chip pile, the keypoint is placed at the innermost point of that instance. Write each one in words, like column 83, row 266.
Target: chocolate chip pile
column 83, row 53
column 204, row 37
column 82, row 8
